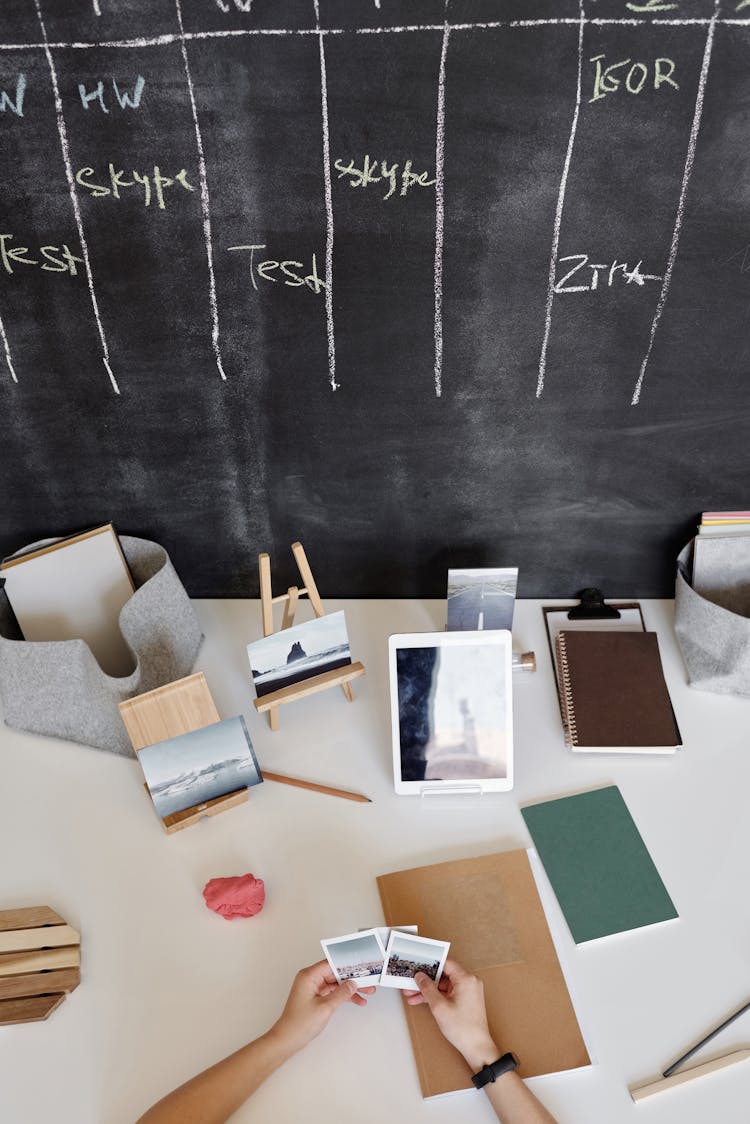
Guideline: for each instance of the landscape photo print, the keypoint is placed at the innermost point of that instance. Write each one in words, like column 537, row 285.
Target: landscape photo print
column 299, row 653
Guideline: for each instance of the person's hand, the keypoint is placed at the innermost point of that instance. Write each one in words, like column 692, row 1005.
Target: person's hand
column 313, row 998
column 457, row 1004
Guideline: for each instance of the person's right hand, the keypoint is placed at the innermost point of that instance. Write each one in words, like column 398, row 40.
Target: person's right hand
column 457, row 1004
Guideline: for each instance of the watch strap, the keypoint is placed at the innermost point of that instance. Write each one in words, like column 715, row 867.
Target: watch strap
column 490, row 1073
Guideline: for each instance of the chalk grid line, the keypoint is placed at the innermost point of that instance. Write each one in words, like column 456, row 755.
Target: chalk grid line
column 440, row 210
column 677, row 230
column 488, row 25
column 559, row 212
column 6, row 348
column 329, row 205
column 446, row 28
column 205, row 200
column 62, row 133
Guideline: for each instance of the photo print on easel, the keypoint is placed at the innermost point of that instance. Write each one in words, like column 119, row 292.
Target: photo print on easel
column 299, row 653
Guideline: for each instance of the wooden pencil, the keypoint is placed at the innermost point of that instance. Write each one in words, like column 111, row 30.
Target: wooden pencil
column 324, row 788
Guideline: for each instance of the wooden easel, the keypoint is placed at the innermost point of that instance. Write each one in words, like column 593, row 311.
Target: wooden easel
column 341, row 676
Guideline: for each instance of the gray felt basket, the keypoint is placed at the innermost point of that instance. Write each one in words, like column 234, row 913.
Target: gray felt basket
column 58, row 688
column 714, row 641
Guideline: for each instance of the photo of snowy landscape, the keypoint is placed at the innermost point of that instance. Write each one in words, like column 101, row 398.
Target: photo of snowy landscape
column 197, row 767
column 299, row 653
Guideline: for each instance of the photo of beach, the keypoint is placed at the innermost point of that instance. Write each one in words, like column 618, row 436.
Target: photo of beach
column 299, row 653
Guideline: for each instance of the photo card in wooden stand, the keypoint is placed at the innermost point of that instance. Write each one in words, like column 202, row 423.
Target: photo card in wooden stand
column 177, row 708
column 337, row 677
column 40, row 963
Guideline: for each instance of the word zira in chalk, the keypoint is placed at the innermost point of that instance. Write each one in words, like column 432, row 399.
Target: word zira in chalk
column 265, row 270
column 57, row 259
column 606, row 81
column 151, row 184
column 628, row 276
column 374, row 171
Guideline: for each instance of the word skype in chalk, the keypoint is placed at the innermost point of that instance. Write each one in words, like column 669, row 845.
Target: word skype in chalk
column 151, row 183
column 379, row 171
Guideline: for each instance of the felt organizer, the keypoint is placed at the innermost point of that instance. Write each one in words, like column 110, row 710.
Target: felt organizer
column 58, row 687
column 715, row 642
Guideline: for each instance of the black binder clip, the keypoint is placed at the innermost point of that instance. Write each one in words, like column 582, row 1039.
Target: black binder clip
column 592, row 607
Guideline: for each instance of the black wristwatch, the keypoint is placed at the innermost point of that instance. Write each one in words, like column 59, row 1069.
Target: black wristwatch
column 491, row 1072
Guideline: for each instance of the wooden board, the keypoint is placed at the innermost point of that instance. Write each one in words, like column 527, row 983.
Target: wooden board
column 31, row 1010
column 177, row 708
column 179, row 820
column 40, row 983
column 17, row 963
column 339, row 676
column 29, row 918
column 48, row 936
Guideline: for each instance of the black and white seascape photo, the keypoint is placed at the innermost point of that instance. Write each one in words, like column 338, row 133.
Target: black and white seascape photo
column 405, row 956
column 197, row 767
column 453, row 712
column 299, row 653
column 480, row 600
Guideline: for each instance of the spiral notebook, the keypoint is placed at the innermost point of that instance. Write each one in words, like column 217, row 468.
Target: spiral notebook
column 613, row 694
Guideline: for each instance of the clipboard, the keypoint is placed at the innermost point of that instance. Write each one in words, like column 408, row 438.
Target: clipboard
column 592, row 613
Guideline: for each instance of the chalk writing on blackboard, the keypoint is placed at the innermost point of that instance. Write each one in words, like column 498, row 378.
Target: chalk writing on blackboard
column 15, row 105
column 141, row 181
column 606, row 272
column 124, row 98
column 613, row 76
column 57, row 259
column 266, row 270
column 380, row 171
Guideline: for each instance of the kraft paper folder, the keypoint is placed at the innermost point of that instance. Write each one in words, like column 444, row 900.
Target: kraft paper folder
column 490, row 911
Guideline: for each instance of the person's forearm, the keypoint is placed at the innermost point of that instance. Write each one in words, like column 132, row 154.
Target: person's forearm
column 512, row 1101
column 212, row 1096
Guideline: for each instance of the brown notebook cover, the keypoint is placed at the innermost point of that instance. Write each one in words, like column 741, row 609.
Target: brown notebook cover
column 489, row 909
column 613, row 693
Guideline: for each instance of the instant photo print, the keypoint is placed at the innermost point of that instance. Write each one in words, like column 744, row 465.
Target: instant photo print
column 406, row 955
column 451, row 712
column 356, row 956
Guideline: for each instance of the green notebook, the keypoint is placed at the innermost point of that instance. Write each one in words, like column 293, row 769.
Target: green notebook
column 604, row 878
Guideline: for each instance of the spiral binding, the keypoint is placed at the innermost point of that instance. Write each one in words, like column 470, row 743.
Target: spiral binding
column 566, row 693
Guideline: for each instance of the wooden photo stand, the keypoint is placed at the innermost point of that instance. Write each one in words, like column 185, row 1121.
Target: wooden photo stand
column 40, row 963
column 340, row 677
column 177, row 708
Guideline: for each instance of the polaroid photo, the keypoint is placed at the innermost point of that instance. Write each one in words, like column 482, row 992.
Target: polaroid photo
column 194, row 768
column 481, row 600
column 356, row 956
column 384, row 932
column 299, row 653
column 451, row 711
column 406, row 955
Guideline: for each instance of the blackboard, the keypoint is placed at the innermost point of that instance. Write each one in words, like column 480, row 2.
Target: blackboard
column 498, row 311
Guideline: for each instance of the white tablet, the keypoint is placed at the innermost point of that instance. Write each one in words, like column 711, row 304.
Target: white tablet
column 451, row 711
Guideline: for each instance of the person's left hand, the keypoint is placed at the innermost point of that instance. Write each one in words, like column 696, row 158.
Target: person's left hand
column 313, row 998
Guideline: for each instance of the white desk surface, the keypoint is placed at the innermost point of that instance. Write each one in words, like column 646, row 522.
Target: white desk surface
column 168, row 987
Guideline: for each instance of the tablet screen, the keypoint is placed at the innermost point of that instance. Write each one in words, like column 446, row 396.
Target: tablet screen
column 451, row 708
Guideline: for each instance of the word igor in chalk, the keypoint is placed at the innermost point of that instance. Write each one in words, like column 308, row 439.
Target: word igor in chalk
column 292, row 272
column 608, row 79
column 152, row 184
column 56, row 259
column 588, row 282
column 374, row 171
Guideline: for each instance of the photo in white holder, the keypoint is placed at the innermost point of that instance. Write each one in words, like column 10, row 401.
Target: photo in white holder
column 451, row 711
column 406, row 955
column 356, row 956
